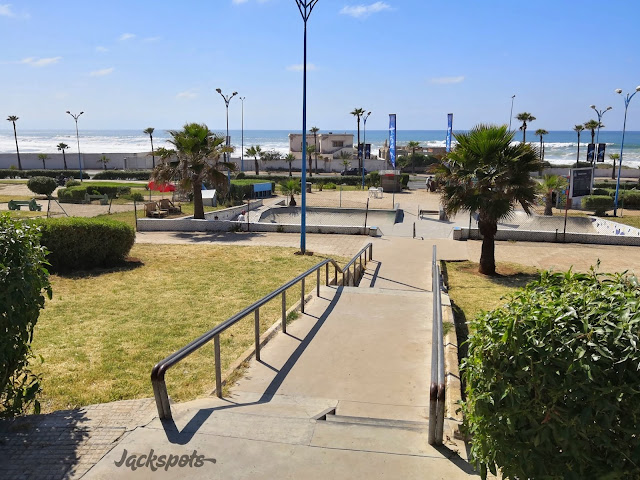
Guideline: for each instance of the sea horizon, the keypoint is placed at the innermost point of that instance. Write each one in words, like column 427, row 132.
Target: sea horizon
column 560, row 146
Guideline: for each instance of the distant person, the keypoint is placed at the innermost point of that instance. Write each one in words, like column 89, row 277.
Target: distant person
column 242, row 217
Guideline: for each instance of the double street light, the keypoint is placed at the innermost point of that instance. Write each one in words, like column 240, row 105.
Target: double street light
column 75, row 117
column 511, row 114
column 627, row 99
column 364, row 145
column 227, row 99
column 600, row 113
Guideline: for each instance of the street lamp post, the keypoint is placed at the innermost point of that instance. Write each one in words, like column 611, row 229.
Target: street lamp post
column 600, row 113
column 627, row 99
column 227, row 99
column 242, row 99
column 305, row 7
column 75, row 117
column 364, row 146
column 511, row 114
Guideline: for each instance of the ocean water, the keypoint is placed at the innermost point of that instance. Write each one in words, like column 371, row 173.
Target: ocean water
column 560, row 146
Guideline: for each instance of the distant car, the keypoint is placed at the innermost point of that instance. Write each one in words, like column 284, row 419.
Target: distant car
column 353, row 171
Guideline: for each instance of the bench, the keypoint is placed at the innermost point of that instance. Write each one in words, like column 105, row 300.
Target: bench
column 104, row 199
column 18, row 204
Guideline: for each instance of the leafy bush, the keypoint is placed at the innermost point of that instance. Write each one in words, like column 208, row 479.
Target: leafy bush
column 552, row 380
column 84, row 243
column 404, row 180
column 137, row 197
column 42, row 185
column 604, row 191
column 240, row 175
column 72, row 194
column 598, row 203
column 12, row 173
column 23, row 279
column 630, row 199
column 373, row 179
column 72, row 183
column 330, row 186
column 123, row 175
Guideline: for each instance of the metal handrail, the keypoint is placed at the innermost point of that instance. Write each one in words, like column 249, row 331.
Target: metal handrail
column 160, row 369
column 437, row 389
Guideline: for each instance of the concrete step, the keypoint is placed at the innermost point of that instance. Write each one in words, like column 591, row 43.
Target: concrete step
column 377, row 422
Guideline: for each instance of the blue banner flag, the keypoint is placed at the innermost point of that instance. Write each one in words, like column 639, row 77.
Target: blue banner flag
column 392, row 139
column 449, row 130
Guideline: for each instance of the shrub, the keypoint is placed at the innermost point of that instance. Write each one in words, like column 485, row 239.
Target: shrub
column 23, row 279
column 604, row 191
column 72, row 183
column 72, row 194
column 240, row 175
column 404, row 180
column 123, row 175
column 629, row 198
column 12, row 173
column 330, row 186
column 83, row 243
column 552, row 380
column 137, row 197
column 42, row 185
column 373, row 179
column 598, row 203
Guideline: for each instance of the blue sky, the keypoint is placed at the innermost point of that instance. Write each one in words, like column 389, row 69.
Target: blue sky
column 134, row 64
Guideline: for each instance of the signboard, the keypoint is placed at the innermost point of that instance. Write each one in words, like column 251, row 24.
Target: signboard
column 359, row 150
column 392, row 139
column 449, row 130
column 601, row 149
column 580, row 182
column 591, row 150
column 367, row 151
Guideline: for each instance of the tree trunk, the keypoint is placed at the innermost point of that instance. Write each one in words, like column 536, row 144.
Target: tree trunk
column 613, row 172
column 548, row 204
column 198, row 207
column 310, row 166
column 290, row 170
column 15, row 135
column 578, row 156
column 64, row 159
column 358, row 149
column 257, row 166
column 488, row 229
column 153, row 157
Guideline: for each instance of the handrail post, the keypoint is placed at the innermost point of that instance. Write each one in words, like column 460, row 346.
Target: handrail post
column 284, row 312
column 257, row 332
column 371, row 251
column 318, row 283
column 216, row 349
column 302, row 297
column 433, row 390
column 335, row 275
column 326, row 274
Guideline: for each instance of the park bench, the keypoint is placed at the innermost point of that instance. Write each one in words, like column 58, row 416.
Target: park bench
column 104, row 199
column 18, row 204
column 152, row 210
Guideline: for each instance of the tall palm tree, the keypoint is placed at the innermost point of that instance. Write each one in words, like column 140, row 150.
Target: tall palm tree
column 61, row 147
column 541, row 132
column 488, row 174
column 524, row 117
column 315, row 131
column 614, row 157
column 578, row 129
column 358, row 113
column 290, row 159
column 593, row 125
column 413, row 145
column 291, row 187
column 13, row 119
column 311, row 149
column 149, row 131
column 550, row 184
column 43, row 157
column 255, row 151
column 198, row 152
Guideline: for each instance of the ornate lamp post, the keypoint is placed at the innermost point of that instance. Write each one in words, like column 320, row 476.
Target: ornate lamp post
column 75, row 117
column 305, row 7
column 627, row 99
column 227, row 99
column 600, row 113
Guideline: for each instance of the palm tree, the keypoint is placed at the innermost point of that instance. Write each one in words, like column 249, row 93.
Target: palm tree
column 541, row 132
column 358, row 112
column 578, row 129
column 311, row 150
column 13, row 119
column 488, row 174
column 149, row 131
column 550, row 184
column 290, row 158
column 291, row 187
column 62, row 146
column 614, row 157
column 255, row 152
column 198, row 152
column 524, row 117
column 593, row 125
column 43, row 157
column 104, row 160
column 315, row 131
column 413, row 145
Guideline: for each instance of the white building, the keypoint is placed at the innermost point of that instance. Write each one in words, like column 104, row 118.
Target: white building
column 328, row 144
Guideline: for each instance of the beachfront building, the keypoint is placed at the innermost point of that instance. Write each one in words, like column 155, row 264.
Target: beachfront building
column 329, row 144
column 403, row 150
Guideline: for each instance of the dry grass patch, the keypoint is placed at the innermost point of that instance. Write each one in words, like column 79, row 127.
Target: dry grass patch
column 102, row 332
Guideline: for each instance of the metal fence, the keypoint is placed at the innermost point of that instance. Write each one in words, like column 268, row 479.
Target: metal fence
column 437, row 390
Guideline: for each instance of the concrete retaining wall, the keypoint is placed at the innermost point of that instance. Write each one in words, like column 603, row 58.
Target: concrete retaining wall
column 552, row 237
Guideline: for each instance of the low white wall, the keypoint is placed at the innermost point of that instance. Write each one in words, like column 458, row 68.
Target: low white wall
column 600, row 172
column 551, row 237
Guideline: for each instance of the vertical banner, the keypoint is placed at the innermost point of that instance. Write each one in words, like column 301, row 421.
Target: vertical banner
column 449, row 130
column 367, row 151
column 392, row 139
column 601, row 149
column 360, row 151
column 591, row 150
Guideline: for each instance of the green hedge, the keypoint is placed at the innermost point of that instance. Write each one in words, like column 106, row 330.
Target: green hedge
column 552, row 380
column 123, row 175
column 597, row 203
column 604, row 191
column 629, row 199
column 77, row 194
column 12, row 173
column 84, row 243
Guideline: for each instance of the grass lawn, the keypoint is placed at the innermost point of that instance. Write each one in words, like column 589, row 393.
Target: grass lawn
column 128, row 218
column 7, row 198
column 633, row 221
column 102, row 332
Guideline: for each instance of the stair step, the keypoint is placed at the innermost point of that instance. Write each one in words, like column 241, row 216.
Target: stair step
column 377, row 422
